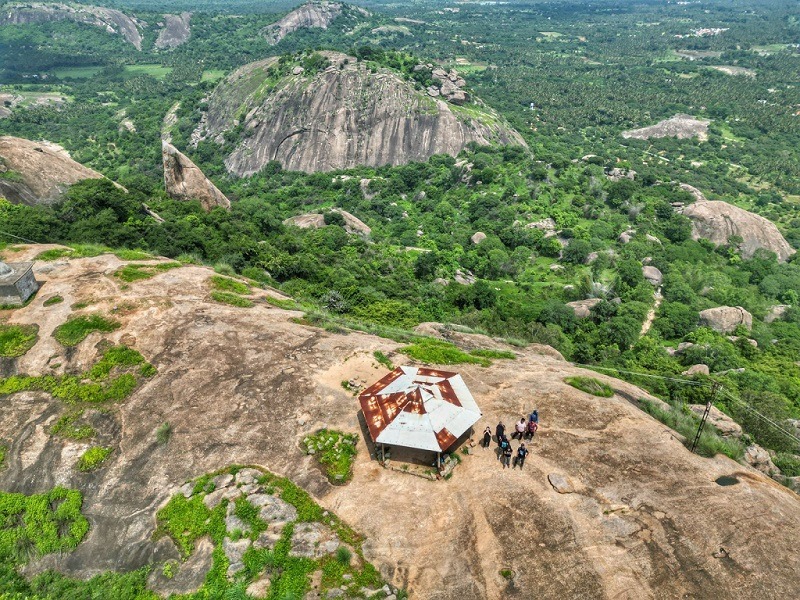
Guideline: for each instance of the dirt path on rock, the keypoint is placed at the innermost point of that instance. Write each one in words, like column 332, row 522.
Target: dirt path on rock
column 651, row 314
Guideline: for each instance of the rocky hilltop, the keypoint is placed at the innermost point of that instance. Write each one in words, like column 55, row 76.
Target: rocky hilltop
column 113, row 21
column 339, row 117
column 184, row 180
column 176, row 31
column 37, row 172
column 609, row 505
column 717, row 221
column 316, row 14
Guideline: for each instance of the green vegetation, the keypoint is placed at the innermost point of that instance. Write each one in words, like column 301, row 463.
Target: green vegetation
column 232, row 299
column 438, row 352
column 138, row 272
column 590, row 385
column 164, row 433
column 286, row 304
column 685, row 422
column 40, row 524
column 383, row 359
column 93, row 458
column 53, row 300
column 76, row 329
column 3, row 452
column 502, row 354
column 335, row 451
column 112, row 378
column 67, row 427
column 16, row 340
column 226, row 284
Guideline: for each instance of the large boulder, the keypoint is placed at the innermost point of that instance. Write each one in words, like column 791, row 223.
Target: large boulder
column 725, row 319
column 583, row 308
column 652, row 275
column 718, row 221
column 37, row 172
column 184, row 180
column 726, row 426
column 776, row 312
column 758, row 458
column 352, row 224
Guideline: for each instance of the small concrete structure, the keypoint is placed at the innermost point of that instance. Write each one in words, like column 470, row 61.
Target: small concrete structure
column 17, row 283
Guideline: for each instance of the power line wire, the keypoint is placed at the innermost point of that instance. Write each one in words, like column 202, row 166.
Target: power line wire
column 18, row 237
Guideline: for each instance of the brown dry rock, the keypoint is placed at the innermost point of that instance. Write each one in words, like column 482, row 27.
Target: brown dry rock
column 726, row 426
column 725, row 319
column 680, row 126
column 44, row 171
column 317, row 14
column 184, row 180
column 652, row 274
column 630, row 529
column 718, row 221
column 113, row 21
column 696, row 370
column 560, row 483
column 340, row 118
column 582, row 308
column 176, row 31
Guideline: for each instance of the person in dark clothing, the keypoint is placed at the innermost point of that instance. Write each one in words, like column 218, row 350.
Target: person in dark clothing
column 522, row 452
column 532, row 427
column 505, row 457
column 499, row 431
column 534, row 416
column 487, row 437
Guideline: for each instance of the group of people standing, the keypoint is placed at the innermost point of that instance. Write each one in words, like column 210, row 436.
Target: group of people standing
column 525, row 428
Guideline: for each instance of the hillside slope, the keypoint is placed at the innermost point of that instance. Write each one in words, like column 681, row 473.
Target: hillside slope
column 645, row 518
column 340, row 117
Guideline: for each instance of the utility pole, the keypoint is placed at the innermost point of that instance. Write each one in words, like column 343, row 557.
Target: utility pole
column 715, row 387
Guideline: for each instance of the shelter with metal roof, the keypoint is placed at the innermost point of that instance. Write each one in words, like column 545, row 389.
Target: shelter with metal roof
column 419, row 408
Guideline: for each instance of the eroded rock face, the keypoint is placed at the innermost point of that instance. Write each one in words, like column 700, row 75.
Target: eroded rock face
column 717, row 221
column 339, row 118
column 113, row 21
column 725, row 319
column 316, row 14
column 41, row 172
column 176, row 31
column 183, row 180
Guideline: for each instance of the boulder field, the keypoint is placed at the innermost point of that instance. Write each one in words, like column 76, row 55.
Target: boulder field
column 609, row 504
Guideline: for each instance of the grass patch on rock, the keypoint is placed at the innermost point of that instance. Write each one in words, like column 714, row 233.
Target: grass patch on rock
column 76, row 329
column 335, row 451
column 284, row 303
column 93, row 458
column 138, row 272
column 383, row 359
column 68, row 427
column 685, row 422
column 231, row 299
column 53, row 300
column 112, row 378
column 16, row 340
column 500, row 354
column 438, row 352
column 91, row 250
column 226, row 284
column 3, row 452
column 590, row 385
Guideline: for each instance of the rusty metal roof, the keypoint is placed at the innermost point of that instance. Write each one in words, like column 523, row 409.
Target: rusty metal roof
column 419, row 408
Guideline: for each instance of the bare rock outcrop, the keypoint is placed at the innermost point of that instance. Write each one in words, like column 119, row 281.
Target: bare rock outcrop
column 583, row 308
column 652, row 274
column 717, row 221
column 449, row 85
column 113, row 21
column 680, row 126
column 184, row 180
column 38, row 172
column 776, row 312
column 176, row 31
column 725, row 319
column 338, row 118
column 758, row 458
column 477, row 237
column 316, row 14
column 352, row 224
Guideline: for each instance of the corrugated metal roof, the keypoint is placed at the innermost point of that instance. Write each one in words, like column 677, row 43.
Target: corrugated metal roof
column 419, row 408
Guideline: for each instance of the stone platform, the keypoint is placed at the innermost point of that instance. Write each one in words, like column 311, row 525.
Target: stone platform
column 17, row 283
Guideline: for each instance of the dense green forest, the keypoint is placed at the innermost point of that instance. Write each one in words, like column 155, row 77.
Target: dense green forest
column 569, row 77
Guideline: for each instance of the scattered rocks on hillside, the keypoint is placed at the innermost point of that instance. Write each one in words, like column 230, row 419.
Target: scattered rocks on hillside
column 352, row 224
column 776, row 312
column 736, row 338
column 696, row 370
column 652, row 275
column 626, row 236
column 560, row 483
column 617, row 174
column 547, row 225
column 464, row 277
column 726, row 426
column 582, row 308
column 680, row 126
column 448, row 85
column 718, row 221
column 313, row 540
column 477, row 237
column 184, row 180
column 758, row 458
column 725, row 319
